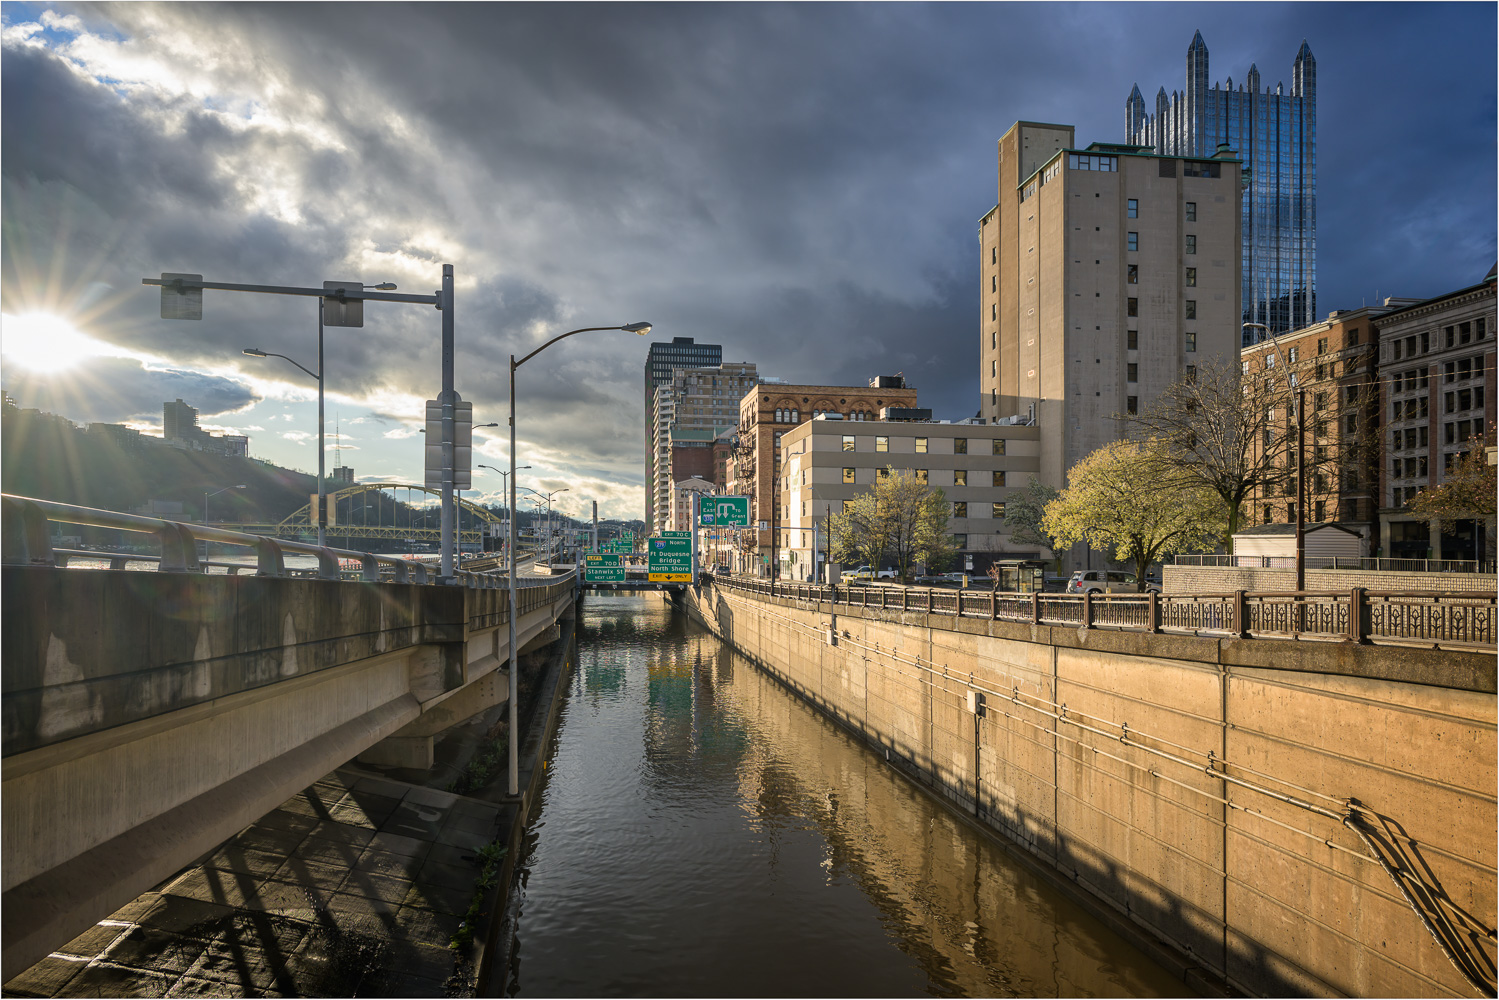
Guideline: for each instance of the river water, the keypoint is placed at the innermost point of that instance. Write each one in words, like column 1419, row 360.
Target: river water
column 703, row 833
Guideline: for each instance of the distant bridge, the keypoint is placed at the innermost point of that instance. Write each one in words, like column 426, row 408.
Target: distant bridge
column 356, row 517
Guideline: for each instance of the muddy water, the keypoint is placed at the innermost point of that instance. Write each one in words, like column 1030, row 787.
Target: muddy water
column 702, row 833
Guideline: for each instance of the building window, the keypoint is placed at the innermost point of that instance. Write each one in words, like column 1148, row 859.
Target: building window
column 960, row 541
column 960, row 509
column 1191, row 373
column 999, row 446
column 1321, row 511
column 994, row 369
column 1131, row 404
column 999, row 477
column 1132, row 307
column 960, row 477
column 883, row 473
column 960, row 446
column 882, row 442
column 1132, row 372
column 1191, row 342
column 778, row 441
column 848, row 442
column 1191, row 243
column 921, row 476
column 997, row 511
column 1268, row 514
column 921, row 446
column 1191, row 277
column 1353, row 339
column 993, row 312
column 1191, row 309
column 1132, row 274
column 848, row 475
column 1132, row 208
column 1191, row 211
column 1132, row 241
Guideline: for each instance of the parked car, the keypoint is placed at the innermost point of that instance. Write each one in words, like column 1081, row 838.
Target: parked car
column 885, row 574
column 1110, row 581
column 865, row 572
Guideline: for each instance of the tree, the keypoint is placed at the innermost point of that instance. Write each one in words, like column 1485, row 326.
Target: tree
column 1235, row 433
column 1024, row 510
column 1466, row 492
column 900, row 519
column 1120, row 498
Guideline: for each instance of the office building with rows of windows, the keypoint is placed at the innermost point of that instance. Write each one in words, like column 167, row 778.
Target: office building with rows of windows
column 1275, row 133
column 1436, row 375
column 1107, row 273
column 691, row 411
column 825, row 463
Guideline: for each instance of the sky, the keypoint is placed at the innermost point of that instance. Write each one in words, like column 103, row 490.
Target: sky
column 801, row 184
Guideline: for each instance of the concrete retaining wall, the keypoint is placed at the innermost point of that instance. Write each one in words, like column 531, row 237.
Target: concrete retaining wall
column 1224, row 579
column 1100, row 755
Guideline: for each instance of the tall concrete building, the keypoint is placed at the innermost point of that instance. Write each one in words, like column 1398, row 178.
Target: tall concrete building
column 1275, row 134
column 1107, row 273
column 689, row 412
column 660, row 360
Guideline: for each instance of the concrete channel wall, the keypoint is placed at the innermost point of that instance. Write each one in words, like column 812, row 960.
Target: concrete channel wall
column 1194, row 789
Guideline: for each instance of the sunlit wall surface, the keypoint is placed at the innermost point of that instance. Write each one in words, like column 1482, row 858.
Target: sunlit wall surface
column 1275, row 134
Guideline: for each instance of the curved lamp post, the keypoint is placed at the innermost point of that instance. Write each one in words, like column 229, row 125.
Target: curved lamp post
column 503, row 473
column 321, row 514
column 514, row 743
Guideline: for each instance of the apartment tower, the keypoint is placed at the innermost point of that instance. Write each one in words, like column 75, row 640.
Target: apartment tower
column 1107, row 273
column 660, row 360
column 1275, row 133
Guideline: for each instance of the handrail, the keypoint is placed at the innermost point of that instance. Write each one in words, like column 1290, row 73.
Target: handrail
column 27, row 542
column 1381, row 564
column 1457, row 619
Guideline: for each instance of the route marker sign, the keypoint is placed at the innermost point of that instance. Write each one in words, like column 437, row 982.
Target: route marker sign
column 670, row 560
column 604, row 568
column 732, row 512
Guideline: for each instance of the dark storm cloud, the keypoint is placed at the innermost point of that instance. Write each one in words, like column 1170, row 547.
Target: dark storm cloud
column 800, row 184
column 114, row 390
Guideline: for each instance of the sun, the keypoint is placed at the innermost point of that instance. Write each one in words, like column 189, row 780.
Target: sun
column 43, row 342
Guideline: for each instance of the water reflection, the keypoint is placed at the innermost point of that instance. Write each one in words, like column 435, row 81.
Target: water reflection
column 703, row 833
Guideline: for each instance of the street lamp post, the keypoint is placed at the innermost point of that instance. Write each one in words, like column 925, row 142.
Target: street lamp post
column 642, row 329
column 206, row 495
column 502, row 472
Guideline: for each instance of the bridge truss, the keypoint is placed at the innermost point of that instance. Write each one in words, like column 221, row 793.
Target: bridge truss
column 366, row 510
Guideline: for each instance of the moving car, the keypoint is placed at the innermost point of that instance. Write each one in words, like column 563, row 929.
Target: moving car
column 1110, row 581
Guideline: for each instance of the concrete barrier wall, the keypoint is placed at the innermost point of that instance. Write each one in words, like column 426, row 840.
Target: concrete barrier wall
column 1225, row 579
column 1192, row 788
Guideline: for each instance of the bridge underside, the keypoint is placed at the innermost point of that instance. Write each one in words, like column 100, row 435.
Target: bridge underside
column 135, row 743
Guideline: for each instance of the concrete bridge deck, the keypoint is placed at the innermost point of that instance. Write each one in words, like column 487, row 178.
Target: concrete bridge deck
column 148, row 716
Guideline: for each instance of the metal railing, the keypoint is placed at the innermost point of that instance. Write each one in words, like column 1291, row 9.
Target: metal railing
column 1458, row 620
column 27, row 541
column 1381, row 564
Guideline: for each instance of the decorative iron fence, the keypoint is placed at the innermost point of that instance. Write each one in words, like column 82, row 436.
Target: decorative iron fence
column 1378, row 564
column 1459, row 620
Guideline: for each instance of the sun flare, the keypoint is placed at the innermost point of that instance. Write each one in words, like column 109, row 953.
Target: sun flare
column 43, row 342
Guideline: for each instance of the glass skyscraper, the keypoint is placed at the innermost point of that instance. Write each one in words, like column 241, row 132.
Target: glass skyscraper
column 1275, row 134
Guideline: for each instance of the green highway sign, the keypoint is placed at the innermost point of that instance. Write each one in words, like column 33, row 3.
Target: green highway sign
column 732, row 512
column 604, row 569
column 670, row 560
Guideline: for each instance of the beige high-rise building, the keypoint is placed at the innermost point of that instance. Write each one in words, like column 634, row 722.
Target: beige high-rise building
column 1107, row 273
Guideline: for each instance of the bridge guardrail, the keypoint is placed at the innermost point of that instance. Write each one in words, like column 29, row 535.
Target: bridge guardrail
column 1463, row 619
column 26, row 536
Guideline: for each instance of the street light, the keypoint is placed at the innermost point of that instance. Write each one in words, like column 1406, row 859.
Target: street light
column 322, row 511
column 639, row 328
column 206, row 495
column 502, row 472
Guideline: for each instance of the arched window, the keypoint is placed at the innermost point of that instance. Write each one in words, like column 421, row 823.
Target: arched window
column 778, row 414
column 796, row 416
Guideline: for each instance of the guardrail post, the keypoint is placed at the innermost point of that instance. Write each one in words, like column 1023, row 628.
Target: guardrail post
column 26, row 535
column 179, row 549
column 327, row 565
column 1241, row 615
column 1035, row 608
column 1087, row 610
column 993, row 606
column 1360, row 616
column 269, row 559
column 369, row 568
column 904, row 603
column 1154, row 610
